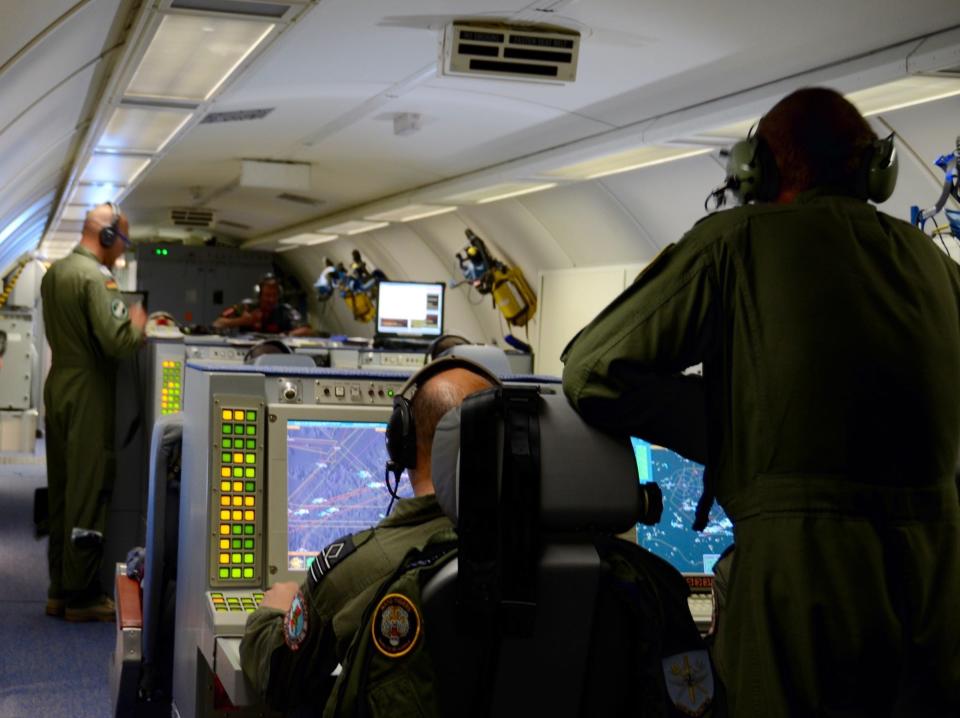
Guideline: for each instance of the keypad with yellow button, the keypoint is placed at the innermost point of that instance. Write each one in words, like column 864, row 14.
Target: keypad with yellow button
column 171, row 384
column 229, row 608
column 236, row 494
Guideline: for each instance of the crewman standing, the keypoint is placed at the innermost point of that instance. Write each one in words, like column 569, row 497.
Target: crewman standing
column 89, row 328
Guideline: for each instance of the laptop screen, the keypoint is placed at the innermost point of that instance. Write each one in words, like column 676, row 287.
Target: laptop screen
column 410, row 309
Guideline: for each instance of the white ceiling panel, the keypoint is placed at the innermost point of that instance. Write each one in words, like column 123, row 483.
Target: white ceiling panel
column 61, row 54
column 25, row 19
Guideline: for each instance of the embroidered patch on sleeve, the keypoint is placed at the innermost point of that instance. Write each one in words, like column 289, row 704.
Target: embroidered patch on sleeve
column 118, row 309
column 295, row 623
column 324, row 561
column 395, row 626
column 689, row 681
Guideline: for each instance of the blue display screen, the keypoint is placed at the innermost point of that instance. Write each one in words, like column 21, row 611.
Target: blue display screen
column 681, row 482
column 335, row 484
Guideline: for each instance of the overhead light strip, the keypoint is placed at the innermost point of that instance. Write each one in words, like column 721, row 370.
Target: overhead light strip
column 517, row 193
column 649, row 163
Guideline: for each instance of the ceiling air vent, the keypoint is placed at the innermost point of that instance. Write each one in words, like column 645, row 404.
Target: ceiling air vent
column 541, row 53
column 262, row 8
column 191, row 217
column 236, row 116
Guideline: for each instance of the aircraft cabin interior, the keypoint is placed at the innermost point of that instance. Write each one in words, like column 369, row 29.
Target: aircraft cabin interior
column 389, row 173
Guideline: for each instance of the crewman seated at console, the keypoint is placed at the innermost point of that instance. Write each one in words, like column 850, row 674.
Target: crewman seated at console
column 300, row 633
column 409, row 617
column 269, row 317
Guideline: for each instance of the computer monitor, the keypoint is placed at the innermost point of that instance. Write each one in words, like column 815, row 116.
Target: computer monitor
column 326, row 480
column 410, row 309
column 673, row 539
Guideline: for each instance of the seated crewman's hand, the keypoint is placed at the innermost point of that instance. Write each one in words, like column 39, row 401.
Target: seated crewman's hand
column 280, row 595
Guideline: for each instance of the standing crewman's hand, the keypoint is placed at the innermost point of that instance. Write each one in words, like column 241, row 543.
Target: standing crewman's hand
column 280, row 595
column 138, row 317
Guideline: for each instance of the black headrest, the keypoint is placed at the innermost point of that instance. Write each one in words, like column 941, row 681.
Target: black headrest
column 588, row 479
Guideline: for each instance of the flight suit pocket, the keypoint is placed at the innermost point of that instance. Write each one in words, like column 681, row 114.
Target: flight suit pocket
column 395, row 698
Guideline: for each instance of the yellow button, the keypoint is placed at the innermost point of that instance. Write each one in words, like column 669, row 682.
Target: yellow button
column 238, row 458
column 247, row 515
column 224, row 530
column 224, row 515
column 225, row 472
column 237, row 515
column 225, row 486
column 224, row 558
column 248, row 501
column 224, row 500
column 224, row 544
column 237, row 501
column 227, row 415
column 238, row 486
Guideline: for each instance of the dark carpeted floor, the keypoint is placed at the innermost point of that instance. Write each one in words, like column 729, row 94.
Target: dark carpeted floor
column 48, row 667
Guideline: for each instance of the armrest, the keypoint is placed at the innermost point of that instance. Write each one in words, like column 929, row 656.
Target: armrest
column 129, row 606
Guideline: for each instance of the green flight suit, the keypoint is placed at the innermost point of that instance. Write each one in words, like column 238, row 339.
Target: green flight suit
column 828, row 416
column 335, row 606
column 88, row 328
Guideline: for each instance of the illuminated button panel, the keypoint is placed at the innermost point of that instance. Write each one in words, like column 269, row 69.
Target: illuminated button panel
column 171, row 386
column 236, row 494
column 234, row 601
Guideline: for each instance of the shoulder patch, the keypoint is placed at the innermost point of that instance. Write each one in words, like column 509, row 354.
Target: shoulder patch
column 118, row 309
column 396, row 626
column 689, row 680
column 324, row 561
column 295, row 622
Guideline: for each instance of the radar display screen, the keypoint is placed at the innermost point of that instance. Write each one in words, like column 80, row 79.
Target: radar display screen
column 335, row 484
column 673, row 539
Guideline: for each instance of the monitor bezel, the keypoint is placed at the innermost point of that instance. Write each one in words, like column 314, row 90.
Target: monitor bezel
column 410, row 335
column 276, row 460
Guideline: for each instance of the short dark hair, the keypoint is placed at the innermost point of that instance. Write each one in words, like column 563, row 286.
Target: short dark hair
column 818, row 139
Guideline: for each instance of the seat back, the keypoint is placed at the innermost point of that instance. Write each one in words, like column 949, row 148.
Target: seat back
column 512, row 624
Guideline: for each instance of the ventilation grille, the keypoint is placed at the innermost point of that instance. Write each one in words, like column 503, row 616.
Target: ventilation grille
column 300, row 199
column 506, row 51
column 236, row 116
column 234, row 7
column 191, row 217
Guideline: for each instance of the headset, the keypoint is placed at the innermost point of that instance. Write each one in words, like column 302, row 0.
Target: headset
column 752, row 172
column 401, row 429
column 441, row 344
column 110, row 233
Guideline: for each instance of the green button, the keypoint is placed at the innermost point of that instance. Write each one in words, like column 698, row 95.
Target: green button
column 248, row 544
column 235, row 573
column 248, row 529
column 238, row 543
column 249, row 458
column 251, row 416
column 238, row 428
column 237, row 472
column 248, row 558
column 251, row 444
column 227, row 429
column 224, row 573
column 249, row 486
column 248, row 573
column 227, row 443
column 250, row 473
column 237, row 529
column 225, row 458
column 251, row 430
column 234, row 558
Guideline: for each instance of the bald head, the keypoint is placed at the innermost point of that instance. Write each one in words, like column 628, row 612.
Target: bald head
column 97, row 219
column 433, row 399
column 818, row 139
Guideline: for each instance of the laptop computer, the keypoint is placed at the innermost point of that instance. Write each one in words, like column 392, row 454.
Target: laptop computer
column 409, row 314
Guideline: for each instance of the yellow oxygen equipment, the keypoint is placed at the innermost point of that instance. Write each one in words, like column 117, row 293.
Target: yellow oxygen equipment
column 509, row 290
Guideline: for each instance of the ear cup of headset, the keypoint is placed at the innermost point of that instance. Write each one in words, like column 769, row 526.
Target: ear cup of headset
column 401, row 436
column 881, row 168
column 108, row 235
column 752, row 171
